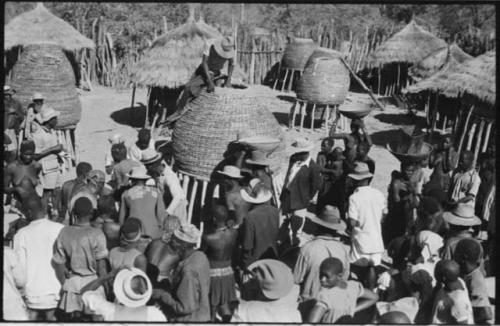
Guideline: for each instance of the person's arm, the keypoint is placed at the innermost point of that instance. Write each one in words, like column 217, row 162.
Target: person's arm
column 396, row 188
column 366, row 300
column 206, row 71
column 7, row 179
column 95, row 284
column 230, row 68
column 187, row 294
column 365, row 132
column 316, row 313
column 141, row 263
column 174, row 185
column 59, row 259
column 19, row 268
column 160, row 211
column 123, row 209
column 316, row 181
column 247, row 242
column 352, row 214
column 301, row 268
column 51, row 150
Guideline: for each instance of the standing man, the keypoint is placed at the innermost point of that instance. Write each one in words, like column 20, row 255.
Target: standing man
column 465, row 181
column 47, row 153
column 215, row 55
column 10, row 102
column 33, row 245
column 23, row 173
column 189, row 299
column 365, row 211
column 82, row 171
column 237, row 207
column 34, row 110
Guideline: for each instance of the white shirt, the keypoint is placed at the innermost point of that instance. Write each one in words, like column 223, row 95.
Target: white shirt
column 452, row 307
column 465, row 183
column 135, row 153
column 296, row 167
column 366, row 205
column 169, row 179
column 33, row 245
column 98, row 305
column 13, row 305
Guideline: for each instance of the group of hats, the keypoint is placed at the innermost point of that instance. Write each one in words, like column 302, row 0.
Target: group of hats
column 254, row 194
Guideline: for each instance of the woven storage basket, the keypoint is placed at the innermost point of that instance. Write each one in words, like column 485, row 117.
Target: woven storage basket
column 325, row 81
column 297, row 52
column 213, row 120
column 44, row 68
column 322, row 52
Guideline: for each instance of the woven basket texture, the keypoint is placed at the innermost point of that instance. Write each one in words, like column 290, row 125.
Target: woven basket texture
column 44, row 68
column 213, row 120
column 325, row 80
column 297, row 52
column 322, row 52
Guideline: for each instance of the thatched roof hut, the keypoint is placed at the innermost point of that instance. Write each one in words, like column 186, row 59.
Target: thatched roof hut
column 410, row 45
column 436, row 60
column 40, row 26
column 475, row 77
column 175, row 55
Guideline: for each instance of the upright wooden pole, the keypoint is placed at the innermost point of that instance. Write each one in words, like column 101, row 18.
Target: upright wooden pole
column 291, row 117
column 291, row 81
column 313, row 112
column 284, row 80
column 131, row 116
column 487, row 137
column 379, row 80
column 478, row 141
column 471, row 135
column 303, row 109
column 462, row 137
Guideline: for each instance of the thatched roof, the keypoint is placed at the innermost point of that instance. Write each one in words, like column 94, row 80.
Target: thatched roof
column 411, row 44
column 475, row 77
column 436, row 60
column 174, row 56
column 40, row 26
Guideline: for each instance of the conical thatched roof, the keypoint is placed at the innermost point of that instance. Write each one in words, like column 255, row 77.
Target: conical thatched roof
column 40, row 26
column 475, row 77
column 436, row 60
column 411, row 44
column 174, row 56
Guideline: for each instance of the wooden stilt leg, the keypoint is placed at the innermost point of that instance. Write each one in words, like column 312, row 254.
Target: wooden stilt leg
column 291, row 81
column 471, row 135
column 379, row 81
column 131, row 116
column 303, row 109
column 455, row 124
column 277, row 77
column 478, row 141
column 194, row 190
column 487, row 137
column 464, row 131
column 185, row 184
column 284, row 80
column 204, row 193
column 327, row 119
column 444, row 122
column 313, row 112
column 291, row 116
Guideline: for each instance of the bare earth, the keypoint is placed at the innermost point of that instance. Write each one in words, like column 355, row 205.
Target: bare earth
column 106, row 111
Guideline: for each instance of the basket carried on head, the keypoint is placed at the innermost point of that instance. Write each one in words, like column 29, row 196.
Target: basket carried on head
column 410, row 149
column 214, row 120
column 325, row 81
column 297, row 53
column 44, row 68
column 355, row 110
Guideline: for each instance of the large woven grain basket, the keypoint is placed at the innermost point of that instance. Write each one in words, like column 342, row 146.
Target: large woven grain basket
column 297, row 52
column 213, row 120
column 325, row 81
column 44, row 68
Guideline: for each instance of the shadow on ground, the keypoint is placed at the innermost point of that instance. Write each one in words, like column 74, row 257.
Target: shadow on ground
column 382, row 138
column 133, row 117
column 281, row 117
column 400, row 119
column 287, row 98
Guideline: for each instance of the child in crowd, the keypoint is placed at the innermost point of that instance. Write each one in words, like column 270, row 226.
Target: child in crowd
column 127, row 254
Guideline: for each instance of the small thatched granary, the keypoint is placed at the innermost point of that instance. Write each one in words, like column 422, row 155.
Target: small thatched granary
column 43, row 65
column 405, row 48
column 435, row 61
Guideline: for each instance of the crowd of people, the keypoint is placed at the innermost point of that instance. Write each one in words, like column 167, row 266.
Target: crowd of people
column 116, row 245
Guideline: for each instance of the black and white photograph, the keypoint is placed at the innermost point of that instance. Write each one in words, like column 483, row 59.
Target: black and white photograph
column 181, row 162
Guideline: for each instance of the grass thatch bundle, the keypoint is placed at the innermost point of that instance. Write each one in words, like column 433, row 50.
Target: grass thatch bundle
column 45, row 68
column 435, row 61
column 297, row 53
column 475, row 77
column 39, row 26
column 325, row 80
column 213, row 120
column 173, row 57
column 409, row 45
column 325, row 53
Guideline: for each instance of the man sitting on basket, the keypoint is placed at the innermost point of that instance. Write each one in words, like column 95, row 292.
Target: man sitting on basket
column 215, row 55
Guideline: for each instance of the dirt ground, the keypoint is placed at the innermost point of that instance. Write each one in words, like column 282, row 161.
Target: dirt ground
column 107, row 111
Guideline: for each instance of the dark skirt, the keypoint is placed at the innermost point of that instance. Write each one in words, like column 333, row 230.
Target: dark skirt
column 222, row 286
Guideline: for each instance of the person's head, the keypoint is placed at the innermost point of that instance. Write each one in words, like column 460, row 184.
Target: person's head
column 152, row 160
column 330, row 272
column 130, row 232
column 361, row 175
column 106, row 206
column 32, row 207
column 132, row 287
column 139, row 285
column 362, row 150
column 170, row 224
column 143, row 138
column 399, row 249
column 429, row 215
column 394, row 317
column 356, row 125
column 83, row 169
column 408, row 170
column 37, row 101
column 83, row 210
column 447, row 272
column 446, row 141
column 96, row 180
column 27, row 151
column 231, row 176
column 467, row 254
column 118, row 152
column 9, row 117
column 300, row 156
column 220, row 215
column 259, row 194
column 327, row 145
column 7, row 92
column 487, row 172
column 185, row 240
column 466, row 160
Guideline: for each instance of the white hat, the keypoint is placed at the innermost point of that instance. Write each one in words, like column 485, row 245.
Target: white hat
column 46, row 114
column 231, row 171
column 263, row 195
column 462, row 214
column 38, row 96
column 302, row 145
column 188, row 233
column 224, row 47
column 138, row 172
column 149, row 156
column 116, row 139
column 122, row 287
column 360, row 172
column 8, row 90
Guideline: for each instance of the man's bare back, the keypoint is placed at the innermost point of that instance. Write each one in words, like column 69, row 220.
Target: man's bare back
column 163, row 257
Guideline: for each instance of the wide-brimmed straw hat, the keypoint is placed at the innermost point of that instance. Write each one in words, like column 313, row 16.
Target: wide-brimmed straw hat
column 408, row 306
column 258, row 158
column 274, row 277
column 8, row 90
column 329, row 218
column 258, row 196
column 38, row 96
column 224, row 47
column 302, row 145
column 188, row 233
column 360, row 172
column 122, row 287
column 462, row 214
column 231, row 171
column 46, row 114
column 150, row 156
column 138, row 172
